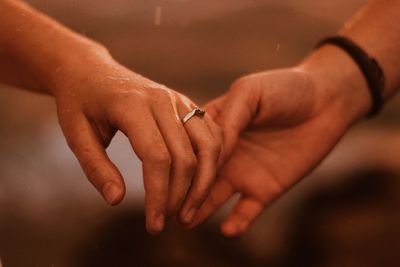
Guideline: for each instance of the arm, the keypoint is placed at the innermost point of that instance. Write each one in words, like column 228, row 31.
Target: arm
column 95, row 97
column 37, row 47
column 14, row 74
column 373, row 28
column 280, row 124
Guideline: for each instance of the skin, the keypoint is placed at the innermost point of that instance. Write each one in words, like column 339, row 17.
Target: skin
column 95, row 97
column 280, row 124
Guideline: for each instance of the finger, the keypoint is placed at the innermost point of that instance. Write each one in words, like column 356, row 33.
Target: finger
column 240, row 106
column 208, row 153
column 184, row 160
column 218, row 135
column 214, row 107
column 87, row 147
column 221, row 191
column 148, row 143
column 243, row 215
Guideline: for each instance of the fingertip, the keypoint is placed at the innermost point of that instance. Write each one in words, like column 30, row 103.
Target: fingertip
column 187, row 217
column 195, row 222
column 113, row 193
column 177, row 221
column 213, row 108
column 155, row 225
column 229, row 229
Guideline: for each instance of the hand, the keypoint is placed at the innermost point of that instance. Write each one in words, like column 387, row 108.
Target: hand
column 97, row 97
column 278, row 126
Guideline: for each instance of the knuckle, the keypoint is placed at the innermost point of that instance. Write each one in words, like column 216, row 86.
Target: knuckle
column 120, row 101
column 212, row 149
column 160, row 97
column 159, row 157
column 189, row 162
column 114, row 109
column 245, row 83
column 240, row 83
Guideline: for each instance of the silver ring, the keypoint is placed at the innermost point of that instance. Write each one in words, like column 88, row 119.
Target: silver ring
column 195, row 112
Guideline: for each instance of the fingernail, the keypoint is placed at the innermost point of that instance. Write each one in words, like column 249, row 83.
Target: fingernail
column 160, row 223
column 229, row 229
column 190, row 216
column 111, row 192
column 157, row 224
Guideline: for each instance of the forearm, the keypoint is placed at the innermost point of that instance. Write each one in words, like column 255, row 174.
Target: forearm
column 35, row 48
column 15, row 74
column 375, row 29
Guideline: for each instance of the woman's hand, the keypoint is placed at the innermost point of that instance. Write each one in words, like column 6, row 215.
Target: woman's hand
column 97, row 97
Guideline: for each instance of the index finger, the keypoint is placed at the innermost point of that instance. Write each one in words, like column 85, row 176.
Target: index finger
column 91, row 154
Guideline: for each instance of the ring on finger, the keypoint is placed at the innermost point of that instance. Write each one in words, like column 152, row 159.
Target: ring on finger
column 197, row 111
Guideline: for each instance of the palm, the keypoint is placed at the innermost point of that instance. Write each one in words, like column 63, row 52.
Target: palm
column 268, row 161
column 284, row 139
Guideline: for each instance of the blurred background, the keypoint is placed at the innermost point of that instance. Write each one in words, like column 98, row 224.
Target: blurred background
column 346, row 213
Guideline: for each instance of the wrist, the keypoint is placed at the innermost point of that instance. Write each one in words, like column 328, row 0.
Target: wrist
column 74, row 62
column 340, row 81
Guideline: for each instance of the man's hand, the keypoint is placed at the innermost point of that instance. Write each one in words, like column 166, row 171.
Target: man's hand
column 278, row 126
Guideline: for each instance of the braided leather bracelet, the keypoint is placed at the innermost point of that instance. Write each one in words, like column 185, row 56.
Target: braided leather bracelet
column 369, row 67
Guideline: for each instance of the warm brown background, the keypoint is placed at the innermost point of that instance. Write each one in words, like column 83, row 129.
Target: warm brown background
column 345, row 214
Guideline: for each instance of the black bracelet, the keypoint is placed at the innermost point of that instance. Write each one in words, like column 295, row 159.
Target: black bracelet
column 369, row 66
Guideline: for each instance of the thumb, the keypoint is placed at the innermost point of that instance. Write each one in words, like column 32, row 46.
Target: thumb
column 239, row 107
column 213, row 108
